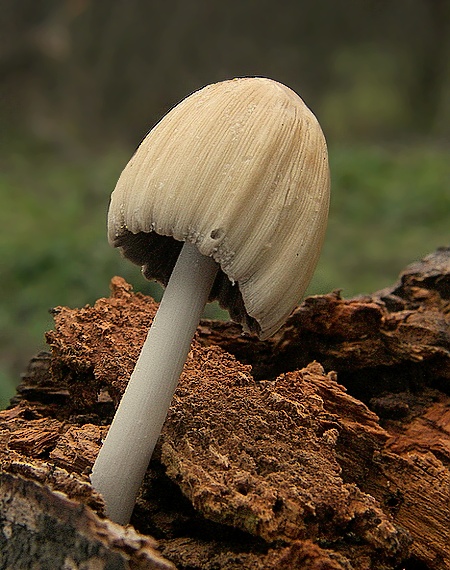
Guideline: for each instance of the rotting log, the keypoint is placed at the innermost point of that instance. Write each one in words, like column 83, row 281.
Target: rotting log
column 44, row 529
column 267, row 459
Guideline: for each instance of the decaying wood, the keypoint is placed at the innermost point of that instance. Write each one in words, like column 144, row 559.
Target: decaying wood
column 399, row 336
column 42, row 529
column 249, row 456
column 265, row 460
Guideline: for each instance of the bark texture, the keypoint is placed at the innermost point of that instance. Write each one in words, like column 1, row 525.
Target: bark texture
column 42, row 529
column 267, row 459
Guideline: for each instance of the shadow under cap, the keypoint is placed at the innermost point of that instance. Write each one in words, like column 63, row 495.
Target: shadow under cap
column 157, row 255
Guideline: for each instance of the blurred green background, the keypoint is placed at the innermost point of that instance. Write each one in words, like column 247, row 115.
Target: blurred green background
column 83, row 81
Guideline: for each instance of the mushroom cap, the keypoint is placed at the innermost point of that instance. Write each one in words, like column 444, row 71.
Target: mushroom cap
column 240, row 169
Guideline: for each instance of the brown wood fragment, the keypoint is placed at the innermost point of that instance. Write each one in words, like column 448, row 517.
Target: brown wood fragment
column 38, row 384
column 37, row 439
column 304, row 555
column 250, row 455
column 69, row 446
column 78, row 447
column 416, row 489
column 308, row 556
column 105, row 340
column 427, row 432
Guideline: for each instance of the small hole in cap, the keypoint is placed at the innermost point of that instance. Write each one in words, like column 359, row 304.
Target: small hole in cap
column 217, row 233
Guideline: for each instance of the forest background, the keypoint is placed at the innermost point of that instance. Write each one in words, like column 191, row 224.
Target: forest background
column 82, row 81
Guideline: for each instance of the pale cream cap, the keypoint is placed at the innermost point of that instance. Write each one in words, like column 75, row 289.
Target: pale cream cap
column 240, row 169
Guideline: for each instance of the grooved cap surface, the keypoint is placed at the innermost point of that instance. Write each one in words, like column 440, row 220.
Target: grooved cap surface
column 240, row 169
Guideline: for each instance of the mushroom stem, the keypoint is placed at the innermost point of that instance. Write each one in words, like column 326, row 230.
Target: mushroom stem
column 124, row 457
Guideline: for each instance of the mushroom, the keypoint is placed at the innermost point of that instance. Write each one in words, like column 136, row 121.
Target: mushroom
column 226, row 198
